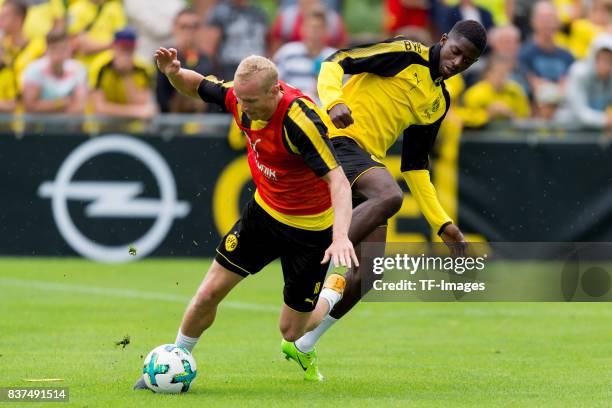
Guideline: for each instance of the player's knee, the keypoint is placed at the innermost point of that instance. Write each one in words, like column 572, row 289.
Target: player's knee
column 205, row 299
column 392, row 202
column 290, row 333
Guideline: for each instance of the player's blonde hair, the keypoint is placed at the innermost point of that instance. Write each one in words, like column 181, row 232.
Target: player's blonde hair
column 259, row 67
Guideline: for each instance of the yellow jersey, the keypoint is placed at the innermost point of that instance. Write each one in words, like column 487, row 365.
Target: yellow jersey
column 395, row 88
column 103, row 76
column 99, row 22
column 17, row 58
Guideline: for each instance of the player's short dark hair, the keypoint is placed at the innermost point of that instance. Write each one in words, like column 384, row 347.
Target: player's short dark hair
column 20, row 6
column 473, row 31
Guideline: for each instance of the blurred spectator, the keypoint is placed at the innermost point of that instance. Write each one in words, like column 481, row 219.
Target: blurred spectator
column 545, row 63
column 406, row 13
column 234, row 30
column 8, row 89
column 288, row 26
column 589, row 88
column 465, row 10
column 43, row 16
column 203, row 7
column 506, row 41
column 521, row 17
column 152, row 19
column 299, row 62
column 501, row 10
column 496, row 97
column 417, row 34
column 92, row 23
column 186, row 25
column 584, row 30
column 335, row 5
column 16, row 50
column 55, row 83
column 567, row 10
column 121, row 83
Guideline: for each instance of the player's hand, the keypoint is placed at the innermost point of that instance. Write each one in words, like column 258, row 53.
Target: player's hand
column 454, row 240
column 341, row 253
column 167, row 61
column 340, row 116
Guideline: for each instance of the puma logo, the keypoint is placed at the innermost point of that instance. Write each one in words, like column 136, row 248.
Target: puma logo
column 416, row 76
column 311, row 301
column 254, row 146
column 418, row 81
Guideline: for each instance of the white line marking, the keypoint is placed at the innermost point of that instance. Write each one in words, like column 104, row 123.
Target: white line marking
column 128, row 293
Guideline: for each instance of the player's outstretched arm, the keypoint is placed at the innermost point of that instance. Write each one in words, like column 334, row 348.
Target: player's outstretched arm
column 425, row 195
column 385, row 59
column 329, row 87
column 184, row 80
column 341, row 251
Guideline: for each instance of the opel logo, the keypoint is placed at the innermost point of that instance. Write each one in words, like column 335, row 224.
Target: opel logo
column 114, row 199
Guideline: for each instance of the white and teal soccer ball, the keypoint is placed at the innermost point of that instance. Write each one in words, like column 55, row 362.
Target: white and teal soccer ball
column 169, row 369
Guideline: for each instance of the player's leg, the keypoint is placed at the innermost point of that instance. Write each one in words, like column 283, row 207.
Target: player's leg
column 293, row 323
column 383, row 198
column 202, row 309
column 307, row 299
column 359, row 280
column 241, row 252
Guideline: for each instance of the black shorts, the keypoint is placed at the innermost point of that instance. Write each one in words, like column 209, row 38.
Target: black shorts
column 354, row 161
column 257, row 239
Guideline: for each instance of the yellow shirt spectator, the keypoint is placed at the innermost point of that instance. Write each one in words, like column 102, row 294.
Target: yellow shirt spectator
column 95, row 22
column 17, row 57
column 121, row 83
column 498, row 8
column 583, row 31
column 16, row 50
column 8, row 90
column 41, row 18
column 495, row 97
column 103, row 76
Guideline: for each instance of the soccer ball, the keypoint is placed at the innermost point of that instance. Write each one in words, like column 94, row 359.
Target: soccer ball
column 169, row 369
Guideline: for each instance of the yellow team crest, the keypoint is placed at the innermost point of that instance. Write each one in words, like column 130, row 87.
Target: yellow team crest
column 231, row 242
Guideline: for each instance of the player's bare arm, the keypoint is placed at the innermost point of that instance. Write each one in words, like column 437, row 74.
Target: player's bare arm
column 184, row 80
column 341, row 251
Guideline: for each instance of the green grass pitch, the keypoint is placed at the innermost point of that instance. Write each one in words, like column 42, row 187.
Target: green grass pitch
column 61, row 318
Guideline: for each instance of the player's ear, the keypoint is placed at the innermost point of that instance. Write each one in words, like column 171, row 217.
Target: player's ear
column 275, row 89
column 443, row 39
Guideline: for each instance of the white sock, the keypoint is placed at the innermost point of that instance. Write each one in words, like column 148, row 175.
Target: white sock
column 186, row 341
column 331, row 296
column 307, row 342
